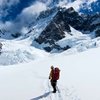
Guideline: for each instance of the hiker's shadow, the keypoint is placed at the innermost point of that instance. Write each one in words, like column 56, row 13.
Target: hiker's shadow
column 42, row 96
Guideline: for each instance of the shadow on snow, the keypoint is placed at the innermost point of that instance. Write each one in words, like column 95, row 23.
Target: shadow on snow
column 42, row 96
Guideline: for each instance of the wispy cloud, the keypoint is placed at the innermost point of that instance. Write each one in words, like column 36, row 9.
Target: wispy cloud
column 35, row 8
column 27, row 16
column 8, row 2
column 5, row 6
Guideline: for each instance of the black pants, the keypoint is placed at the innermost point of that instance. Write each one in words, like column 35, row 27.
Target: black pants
column 53, row 84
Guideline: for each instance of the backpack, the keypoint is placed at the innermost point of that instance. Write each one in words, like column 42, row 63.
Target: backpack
column 56, row 73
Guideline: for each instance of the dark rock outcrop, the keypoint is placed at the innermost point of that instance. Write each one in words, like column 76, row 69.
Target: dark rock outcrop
column 61, row 23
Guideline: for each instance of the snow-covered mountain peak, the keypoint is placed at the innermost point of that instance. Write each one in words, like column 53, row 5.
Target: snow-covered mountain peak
column 57, row 29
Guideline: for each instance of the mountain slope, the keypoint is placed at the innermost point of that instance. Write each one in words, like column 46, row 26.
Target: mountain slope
column 78, row 80
column 61, row 23
column 19, row 51
column 55, row 30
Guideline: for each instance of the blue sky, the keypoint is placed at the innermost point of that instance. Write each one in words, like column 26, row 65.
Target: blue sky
column 15, row 9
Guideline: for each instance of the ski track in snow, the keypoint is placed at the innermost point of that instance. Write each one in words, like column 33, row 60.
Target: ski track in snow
column 35, row 85
column 61, row 93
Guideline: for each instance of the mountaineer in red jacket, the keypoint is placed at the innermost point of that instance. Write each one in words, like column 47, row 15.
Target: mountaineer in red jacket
column 54, row 76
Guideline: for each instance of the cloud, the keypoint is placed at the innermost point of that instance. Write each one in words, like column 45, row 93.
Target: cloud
column 27, row 16
column 4, row 11
column 35, row 8
column 30, row 13
column 5, row 7
column 8, row 2
column 7, row 26
column 47, row 2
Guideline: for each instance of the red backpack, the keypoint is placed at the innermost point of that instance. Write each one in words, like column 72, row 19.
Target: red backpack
column 56, row 73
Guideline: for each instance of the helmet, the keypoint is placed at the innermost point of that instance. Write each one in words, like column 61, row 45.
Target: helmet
column 52, row 67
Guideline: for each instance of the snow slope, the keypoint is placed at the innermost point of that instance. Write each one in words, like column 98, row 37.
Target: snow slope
column 19, row 51
column 22, row 50
column 79, row 80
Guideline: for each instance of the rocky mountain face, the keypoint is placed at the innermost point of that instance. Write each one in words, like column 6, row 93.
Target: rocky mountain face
column 61, row 23
column 58, row 25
